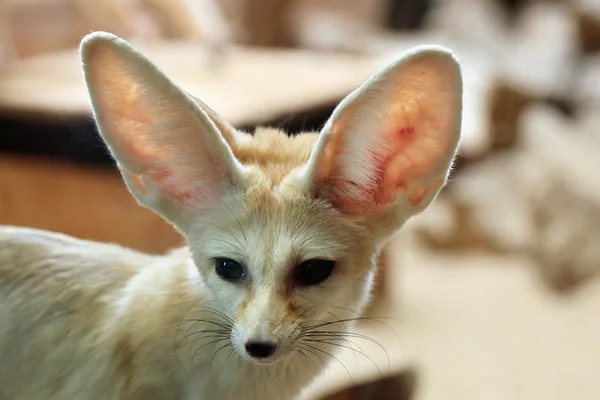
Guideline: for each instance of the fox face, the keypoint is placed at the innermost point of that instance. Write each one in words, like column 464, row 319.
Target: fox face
column 278, row 263
column 283, row 230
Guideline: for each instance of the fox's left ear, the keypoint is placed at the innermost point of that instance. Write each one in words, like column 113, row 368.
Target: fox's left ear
column 391, row 143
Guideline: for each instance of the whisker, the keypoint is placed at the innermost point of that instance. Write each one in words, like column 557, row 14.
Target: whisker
column 221, row 240
column 303, row 356
column 242, row 231
column 307, row 358
column 332, row 356
column 208, row 321
column 225, row 311
column 194, row 248
column 339, row 321
column 231, row 352
column 327, row 341
column 223, row 229
column 206, row 336
column 374, row 319
column 216, row 337
column 213, row 357
column 343, row 334
column 326, row 334
column 219, row 330
column 196, row 352
column 220, row 313
column 204, row 345
column 304, row 313
column 339, row 337
column 316, row 355
column 347, row 341
column 215, row 331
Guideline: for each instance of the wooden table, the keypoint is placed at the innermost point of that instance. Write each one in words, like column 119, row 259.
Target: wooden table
column 247, row 86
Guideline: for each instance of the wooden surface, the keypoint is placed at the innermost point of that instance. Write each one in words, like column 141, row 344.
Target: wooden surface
column 249, row 86
column 266, row 22
column 246, row 85
column 86, row 203
column 398, row 386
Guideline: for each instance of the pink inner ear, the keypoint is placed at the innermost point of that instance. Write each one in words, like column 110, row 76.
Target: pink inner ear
column 189, row 191
column 197, row 190
column 405, row 133
column 392, row 141
column 179, row 191
column 356, row 197
column 401, row 137
column 414, row 153
column 410, row 154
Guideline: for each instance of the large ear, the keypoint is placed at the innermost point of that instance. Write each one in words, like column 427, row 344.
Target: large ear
column 390, row 144
column 172, row 155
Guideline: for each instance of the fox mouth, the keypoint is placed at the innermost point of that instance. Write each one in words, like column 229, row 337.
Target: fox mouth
column 266, row 362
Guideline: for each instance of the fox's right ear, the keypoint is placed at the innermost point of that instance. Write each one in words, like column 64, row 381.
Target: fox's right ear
column 173, row 155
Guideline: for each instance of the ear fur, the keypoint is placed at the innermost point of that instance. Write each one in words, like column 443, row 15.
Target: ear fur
column 390, row 144
column 173, row 156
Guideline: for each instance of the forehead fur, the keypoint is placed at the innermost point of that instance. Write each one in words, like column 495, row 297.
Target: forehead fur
column 269, row 228
column 274, row 152
column 286, row 226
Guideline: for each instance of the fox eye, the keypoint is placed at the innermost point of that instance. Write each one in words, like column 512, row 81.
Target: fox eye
column 312, row 272
column 229, row 270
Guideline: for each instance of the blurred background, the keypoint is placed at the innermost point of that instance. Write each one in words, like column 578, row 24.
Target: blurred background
column 492, row 292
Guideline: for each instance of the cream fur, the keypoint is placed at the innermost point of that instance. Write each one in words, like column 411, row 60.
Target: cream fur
column 83, row 320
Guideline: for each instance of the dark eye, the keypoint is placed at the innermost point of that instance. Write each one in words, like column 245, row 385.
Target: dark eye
column 229, row 270
column 313, row 272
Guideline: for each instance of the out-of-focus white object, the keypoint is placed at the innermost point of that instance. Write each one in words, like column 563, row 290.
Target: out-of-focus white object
column 6, row 50
column 29, row 27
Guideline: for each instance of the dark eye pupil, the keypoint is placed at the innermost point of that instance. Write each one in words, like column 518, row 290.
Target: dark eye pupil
column 229, row 270
column 313, row 272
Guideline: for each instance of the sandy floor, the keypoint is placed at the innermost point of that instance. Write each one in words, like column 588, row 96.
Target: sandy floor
column 480, row 328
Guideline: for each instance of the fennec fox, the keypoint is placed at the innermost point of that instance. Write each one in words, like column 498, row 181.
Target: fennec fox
column 282, row 234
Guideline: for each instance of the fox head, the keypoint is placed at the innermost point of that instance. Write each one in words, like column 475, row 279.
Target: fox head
column 282, row 230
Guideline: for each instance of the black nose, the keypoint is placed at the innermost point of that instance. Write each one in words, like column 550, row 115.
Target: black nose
column 260, row 349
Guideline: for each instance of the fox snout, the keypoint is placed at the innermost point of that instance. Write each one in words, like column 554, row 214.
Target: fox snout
column 266, row 329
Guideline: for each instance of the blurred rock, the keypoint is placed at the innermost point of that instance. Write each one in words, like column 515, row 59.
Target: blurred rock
column 481, row 210
column 479, row 25
column 588, row 23
column 507, row 104
column 541, row 199
column 586, row 86
column 6, row 44
column 541, row 49
column 507, row 67
column 407, row 15
column 541, row 55
column 400, row 386
column 566, row 209
column 335, row 25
